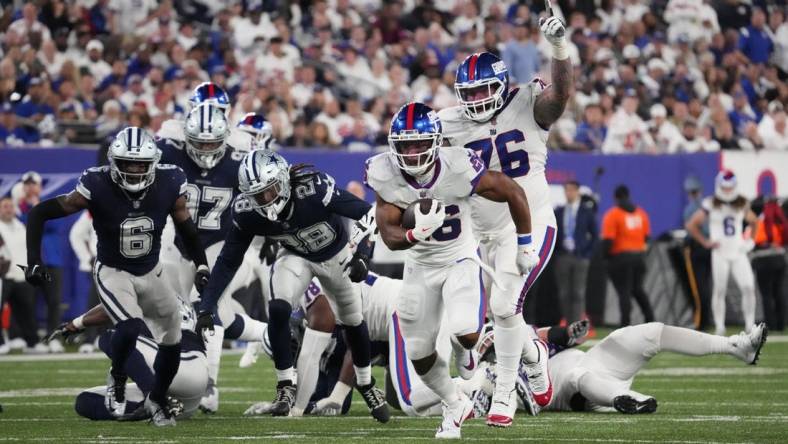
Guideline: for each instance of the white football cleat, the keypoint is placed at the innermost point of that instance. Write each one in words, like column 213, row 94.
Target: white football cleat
column 747, row 346
column 451, row 426
column 503, row 408
column 55, row 346
column 210, row 402
column 86, row 348
column 38, row 349
column 160, row 416
column 115, row 399
column 466, row 363
column 539, row 377
column 4, row 349
column 249, row 358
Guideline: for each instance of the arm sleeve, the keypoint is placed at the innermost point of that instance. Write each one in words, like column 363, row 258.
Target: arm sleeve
column 48, row 209
column 345, row 204
column 227, row 264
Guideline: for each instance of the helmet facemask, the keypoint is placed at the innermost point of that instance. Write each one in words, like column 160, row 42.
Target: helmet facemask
column 133, row 175
column 269, row 199
column 480, row 100
column 415, row 152
column 206, row 153
column 725, row 187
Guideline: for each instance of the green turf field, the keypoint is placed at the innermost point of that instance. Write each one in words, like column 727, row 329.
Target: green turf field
column 712, row 399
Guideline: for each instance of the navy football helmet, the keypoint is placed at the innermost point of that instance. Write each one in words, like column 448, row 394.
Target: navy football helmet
column 414, row 137
column 481, row 85
column 260, row 129
column 209, row 92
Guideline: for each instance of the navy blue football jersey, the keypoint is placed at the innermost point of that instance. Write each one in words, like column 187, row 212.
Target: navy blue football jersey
column 311, row 226
column 129, row 231
column 209, row 193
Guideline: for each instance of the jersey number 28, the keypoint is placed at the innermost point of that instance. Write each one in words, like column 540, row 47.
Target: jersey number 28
column 513, row 163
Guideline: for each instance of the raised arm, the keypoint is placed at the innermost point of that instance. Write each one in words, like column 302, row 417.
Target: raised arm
column 551, row 102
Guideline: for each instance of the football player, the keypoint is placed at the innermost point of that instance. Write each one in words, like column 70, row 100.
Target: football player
column 726, row 212
column 130, row 200
column 508, row 129
column 211, row 167
column 187, row 387
column 260, row 129
column 601, row 378
column 205, row 92
column 303, row 211
column 442, row 271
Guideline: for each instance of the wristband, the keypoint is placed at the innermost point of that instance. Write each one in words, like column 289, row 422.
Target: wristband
column 203, row 267
column 409, row 237
column 561, row 50
column 524, row 239
column 79, row 322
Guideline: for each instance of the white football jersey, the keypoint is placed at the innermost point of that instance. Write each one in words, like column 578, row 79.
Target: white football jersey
column 565, row 373
column 173, row 129
column 378, row 294
column 454, row 179
column 726, row 226
column 513, row 143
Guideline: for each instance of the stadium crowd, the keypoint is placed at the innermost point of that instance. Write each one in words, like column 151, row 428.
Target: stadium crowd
column 654, row 77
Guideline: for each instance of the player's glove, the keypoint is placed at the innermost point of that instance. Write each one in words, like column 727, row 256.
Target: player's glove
column 268, row 251
column 554, row 32
column 66, row 331
column 204, row 321
column 426, row 224
column 358, row 267
column 36, row 274
column 201, row 277
column 527, row 259
column 363, row 227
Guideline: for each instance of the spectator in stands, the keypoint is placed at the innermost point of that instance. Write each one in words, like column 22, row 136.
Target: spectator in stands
column 16, row 291
column 692, row 142
column 135, row 93
column 772, row 128
column 11, row 133
column 754, row 40
column 625, row 232
column 741, row 114
column 27, row 26
column 768, row 262
column 628, row 133
column 319, row 135
column 577, row 237
column 779, row 32
column 521, row 55
column 34, row 106
column 667, row 137
column 592, row 131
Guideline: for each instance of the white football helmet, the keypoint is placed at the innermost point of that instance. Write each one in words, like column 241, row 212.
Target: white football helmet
column 725, row 186
column 260, row 129
column 264, row 179
column 188, row 317
column 206, row 130
column 133, row 157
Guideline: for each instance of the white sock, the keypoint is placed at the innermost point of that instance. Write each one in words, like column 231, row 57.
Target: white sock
column 748, row 307
column 509, row 341
column 530, row 351
column 363, row 375
column 471, row 385
column 253, row 330
column 213, row 351
column 422, row 398
column 312, row 347
column 462, row 355
column 718, row 309
column 339, row 393
column 439, row 381
column 691, row 342
column 287, row 374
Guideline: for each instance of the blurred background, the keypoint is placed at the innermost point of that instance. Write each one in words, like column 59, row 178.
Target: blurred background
column 666, row 94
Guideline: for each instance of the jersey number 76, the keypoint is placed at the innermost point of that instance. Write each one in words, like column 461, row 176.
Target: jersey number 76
column 513, row 163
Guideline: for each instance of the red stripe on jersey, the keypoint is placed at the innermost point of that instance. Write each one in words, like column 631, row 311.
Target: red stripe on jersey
column 210, row 90
column 472, row 67
column 409, row 118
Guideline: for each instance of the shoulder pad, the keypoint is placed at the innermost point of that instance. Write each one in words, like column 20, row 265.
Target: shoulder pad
column 96, row 169
column 450, row 114
column 378, row 170
column 166, row 166
column 235, row 154
column 165, row 143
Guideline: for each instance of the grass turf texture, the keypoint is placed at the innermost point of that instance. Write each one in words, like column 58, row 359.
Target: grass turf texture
column 708, row 399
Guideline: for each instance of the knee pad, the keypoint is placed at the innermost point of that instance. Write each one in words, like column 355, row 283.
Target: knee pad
column 502, row 305
column 279, row 312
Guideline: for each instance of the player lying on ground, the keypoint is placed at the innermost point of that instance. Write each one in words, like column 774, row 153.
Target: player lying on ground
column 442, row 270
column 183, row 395
column 303, row 211
column 601, row 378
column 130, row 200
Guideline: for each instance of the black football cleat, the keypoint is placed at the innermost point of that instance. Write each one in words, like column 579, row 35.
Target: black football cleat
column 376, row 401
column 630, row 406
column 285, row 398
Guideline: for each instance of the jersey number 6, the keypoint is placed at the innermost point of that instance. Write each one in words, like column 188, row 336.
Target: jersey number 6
column 513, row 163
column 135, row 237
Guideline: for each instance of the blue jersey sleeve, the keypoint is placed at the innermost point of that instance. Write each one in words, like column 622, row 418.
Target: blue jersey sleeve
column 338, row 200
column 89, row 181
column 232, row 255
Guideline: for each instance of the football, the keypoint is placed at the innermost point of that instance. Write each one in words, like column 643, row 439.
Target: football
column 409, row 217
